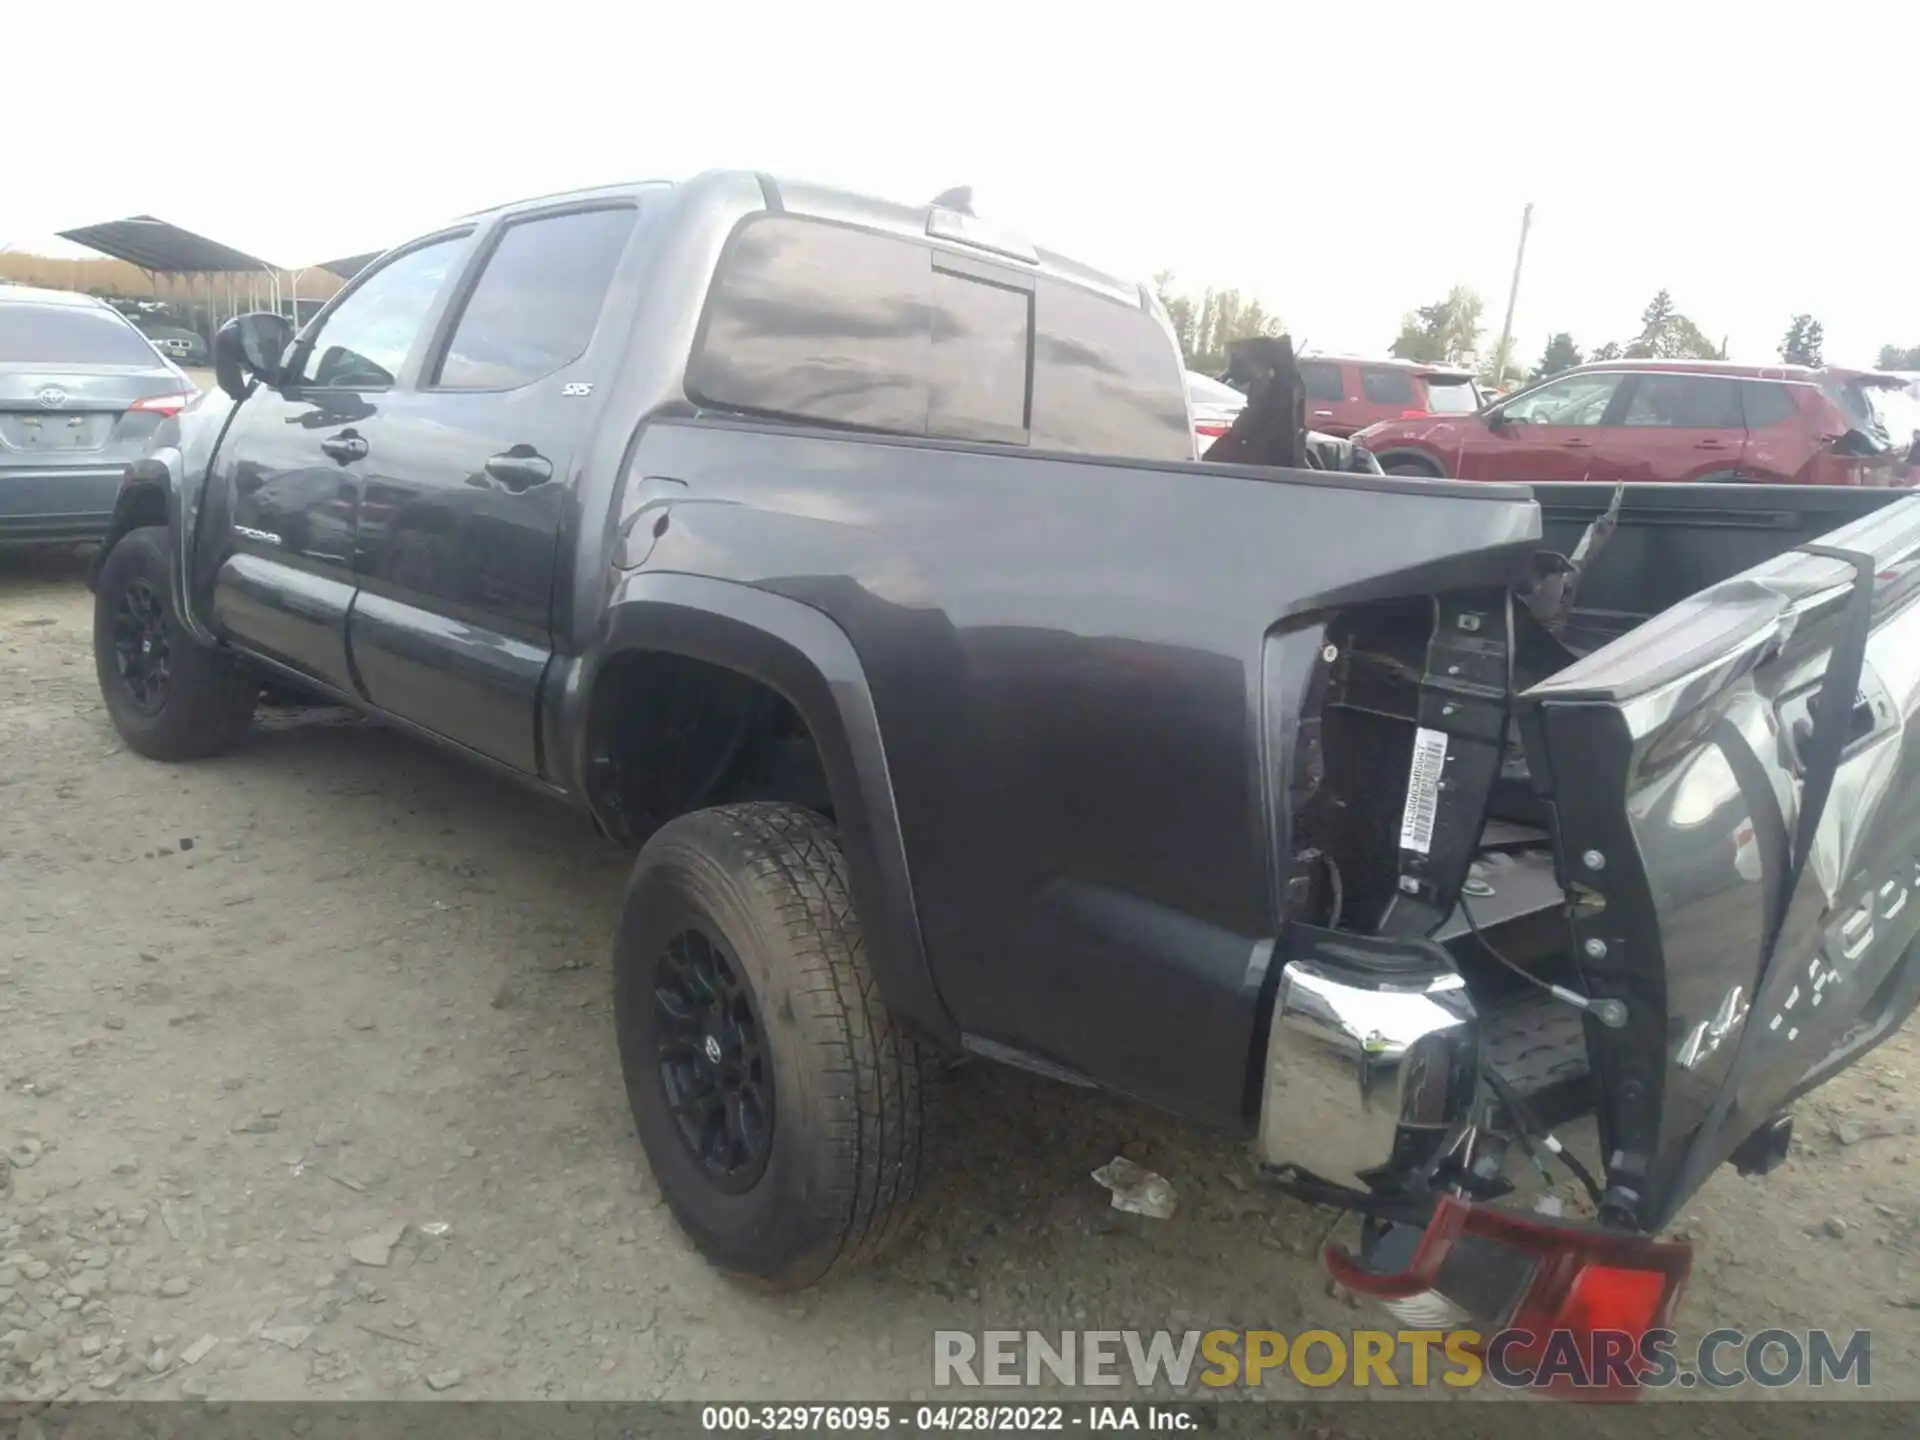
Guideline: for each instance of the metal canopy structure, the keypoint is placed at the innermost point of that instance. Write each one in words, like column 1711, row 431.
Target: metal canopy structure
column 161, row 248
column 164, row 249
column 351, row 265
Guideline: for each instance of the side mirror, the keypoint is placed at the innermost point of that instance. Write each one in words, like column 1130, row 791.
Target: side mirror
column 247, row 349
column 1497, row 420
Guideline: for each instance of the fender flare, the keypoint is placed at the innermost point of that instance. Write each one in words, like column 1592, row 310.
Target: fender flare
column 157, row 477
column 804, row 656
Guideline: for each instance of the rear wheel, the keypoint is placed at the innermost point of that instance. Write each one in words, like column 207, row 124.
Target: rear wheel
column 780, row 1106
column 1407, row 465
column 170, row 697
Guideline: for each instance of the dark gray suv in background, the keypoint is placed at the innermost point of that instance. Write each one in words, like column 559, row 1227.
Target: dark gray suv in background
column 81, row 392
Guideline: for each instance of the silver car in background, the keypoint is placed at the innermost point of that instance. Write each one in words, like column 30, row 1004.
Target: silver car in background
column 81, row 393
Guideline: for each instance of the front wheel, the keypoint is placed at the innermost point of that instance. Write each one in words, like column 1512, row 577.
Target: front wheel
column 780, row 1106
column 170, row 697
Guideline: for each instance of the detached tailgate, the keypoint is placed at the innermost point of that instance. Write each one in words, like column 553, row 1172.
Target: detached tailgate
column 1744, row 856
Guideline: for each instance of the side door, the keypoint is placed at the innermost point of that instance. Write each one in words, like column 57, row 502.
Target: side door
column 1776, row 448
column 467, row 483
column 1675, row 426
column 1549, row 433
column 277, row 546
column 1325, row 383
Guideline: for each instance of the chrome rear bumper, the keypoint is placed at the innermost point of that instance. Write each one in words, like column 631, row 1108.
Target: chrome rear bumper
column 1370, row 1039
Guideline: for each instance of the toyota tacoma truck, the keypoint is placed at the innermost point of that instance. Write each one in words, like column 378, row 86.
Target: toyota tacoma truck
column 849, row 562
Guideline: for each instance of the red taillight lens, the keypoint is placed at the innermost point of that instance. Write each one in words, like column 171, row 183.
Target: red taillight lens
column 1212, row 429
column 1583, row 1283
column 164, row 404
column 1608, row 1297
column 1411, row 414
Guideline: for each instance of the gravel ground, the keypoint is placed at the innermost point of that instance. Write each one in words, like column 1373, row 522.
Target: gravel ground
column 310, row 1091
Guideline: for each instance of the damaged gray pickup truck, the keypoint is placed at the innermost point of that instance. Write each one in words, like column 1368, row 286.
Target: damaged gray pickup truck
column 850, row 564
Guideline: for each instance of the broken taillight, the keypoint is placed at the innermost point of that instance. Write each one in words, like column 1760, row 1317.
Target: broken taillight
column 1603, row 1291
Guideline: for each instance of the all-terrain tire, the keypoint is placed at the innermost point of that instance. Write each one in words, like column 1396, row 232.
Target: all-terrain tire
column 206, row 701
column 765, row 887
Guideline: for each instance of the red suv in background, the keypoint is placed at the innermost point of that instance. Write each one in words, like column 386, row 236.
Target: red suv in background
column 1345, row 395
column 1675, row 420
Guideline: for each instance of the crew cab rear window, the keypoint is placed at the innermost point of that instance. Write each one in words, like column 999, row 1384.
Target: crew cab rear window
column 537, row 300
column 980, row 376
column 1107, row 380
column 812, row 321
column 816, row 321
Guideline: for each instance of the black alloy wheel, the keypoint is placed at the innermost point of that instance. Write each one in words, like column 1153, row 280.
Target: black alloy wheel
column 141, row 649
column 714, row 1066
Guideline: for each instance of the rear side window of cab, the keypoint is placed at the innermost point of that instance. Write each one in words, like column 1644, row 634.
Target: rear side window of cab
column 815, row 321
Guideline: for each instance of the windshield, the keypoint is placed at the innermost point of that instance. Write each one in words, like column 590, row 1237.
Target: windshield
column 1211, row 392
column 70, row 335
column 1452, row 395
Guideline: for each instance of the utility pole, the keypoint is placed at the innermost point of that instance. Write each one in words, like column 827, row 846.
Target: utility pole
column 1513, row 294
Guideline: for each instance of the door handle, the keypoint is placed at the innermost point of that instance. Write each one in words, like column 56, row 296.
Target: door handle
column 1710, row 445
column 345, row 447
column 1577, row 444
column 520, row 468
column 1323, row 414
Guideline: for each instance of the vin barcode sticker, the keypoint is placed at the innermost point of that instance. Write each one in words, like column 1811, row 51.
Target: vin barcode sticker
column 1423, row 790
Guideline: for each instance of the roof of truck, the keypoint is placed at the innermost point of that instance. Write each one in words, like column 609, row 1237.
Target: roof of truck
column 829, row 202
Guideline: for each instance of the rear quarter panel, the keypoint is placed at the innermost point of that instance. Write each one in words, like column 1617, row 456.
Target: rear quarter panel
column 1065, row 658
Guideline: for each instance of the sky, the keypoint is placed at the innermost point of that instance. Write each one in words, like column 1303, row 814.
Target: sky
column 1342, row 163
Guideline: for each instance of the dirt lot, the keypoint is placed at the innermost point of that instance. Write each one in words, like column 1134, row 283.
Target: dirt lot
column 310, row 1091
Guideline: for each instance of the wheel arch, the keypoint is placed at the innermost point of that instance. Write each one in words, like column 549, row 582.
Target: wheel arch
column 153, row 492
column 143, row 498
column 806, row 659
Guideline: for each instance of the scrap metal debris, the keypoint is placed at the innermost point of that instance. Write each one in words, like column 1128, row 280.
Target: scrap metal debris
column 1136, row 1189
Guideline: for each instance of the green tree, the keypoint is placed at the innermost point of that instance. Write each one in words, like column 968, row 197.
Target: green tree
column 1666, row 334
column 1893, row 357
column 1204, row 325
column 1608, row 351
column 1561, row 354
column 1801, row 344
column 1446, row 332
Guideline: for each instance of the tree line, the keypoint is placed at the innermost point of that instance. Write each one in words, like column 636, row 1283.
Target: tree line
column 1205, row 323
column 1449, row 332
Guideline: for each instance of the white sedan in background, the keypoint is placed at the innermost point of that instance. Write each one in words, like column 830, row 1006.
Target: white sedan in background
column 1213, row 407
